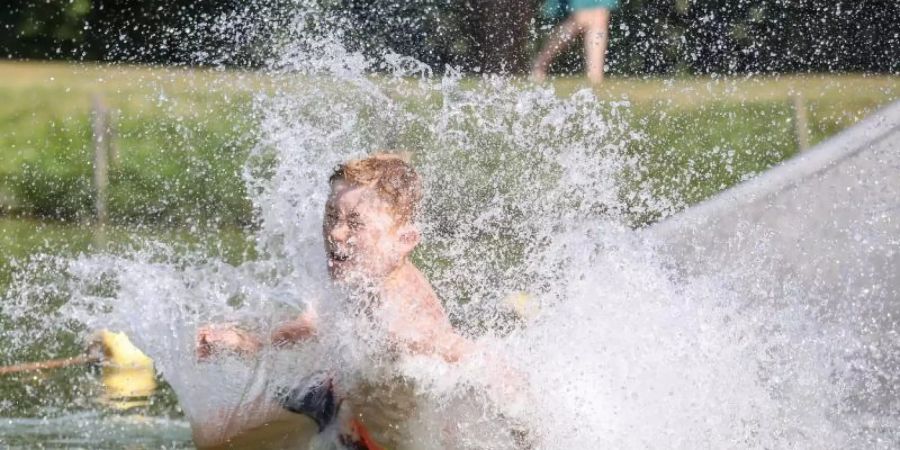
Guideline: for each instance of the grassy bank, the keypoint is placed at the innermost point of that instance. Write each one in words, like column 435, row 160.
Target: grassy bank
column 183, row 135
column 182, row 138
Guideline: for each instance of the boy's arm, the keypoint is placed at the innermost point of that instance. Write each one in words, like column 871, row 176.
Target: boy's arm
column 299, row 329
column 215, row 338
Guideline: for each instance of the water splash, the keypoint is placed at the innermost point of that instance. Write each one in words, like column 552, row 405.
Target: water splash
column 526, row 192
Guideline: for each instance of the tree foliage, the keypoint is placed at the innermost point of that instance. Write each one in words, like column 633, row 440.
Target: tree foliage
column 43, row 29
column 647, row 36
column 728, row 36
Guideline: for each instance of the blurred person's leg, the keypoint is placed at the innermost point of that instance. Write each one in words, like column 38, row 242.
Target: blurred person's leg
column 595, row 23
column 559, row 40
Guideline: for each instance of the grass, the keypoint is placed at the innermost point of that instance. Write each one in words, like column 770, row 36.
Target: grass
column 183, row 138
column 707, row 134
column 184, row 134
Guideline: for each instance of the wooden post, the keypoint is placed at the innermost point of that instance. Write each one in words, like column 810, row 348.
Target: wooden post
column 801, row 122
column 112, row 145
column 100, row 126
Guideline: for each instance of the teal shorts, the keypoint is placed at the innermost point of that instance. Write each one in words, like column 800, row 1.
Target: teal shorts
column 554, row 9
column 578, row 5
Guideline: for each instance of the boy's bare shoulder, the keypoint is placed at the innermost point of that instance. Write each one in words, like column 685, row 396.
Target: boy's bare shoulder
column 412, row 296
column 420, row 320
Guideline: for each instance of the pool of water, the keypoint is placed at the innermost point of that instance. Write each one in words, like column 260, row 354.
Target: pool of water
column 95, row 430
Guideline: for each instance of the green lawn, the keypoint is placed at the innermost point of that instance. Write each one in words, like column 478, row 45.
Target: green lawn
column 184, row 134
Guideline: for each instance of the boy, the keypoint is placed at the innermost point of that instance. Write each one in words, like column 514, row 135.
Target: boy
column 369, row 234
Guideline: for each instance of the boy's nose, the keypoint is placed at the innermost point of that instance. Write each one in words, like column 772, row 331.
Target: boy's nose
column 338, row 233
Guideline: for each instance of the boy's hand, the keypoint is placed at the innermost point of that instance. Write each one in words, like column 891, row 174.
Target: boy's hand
column 301, row 328
column 212, row 339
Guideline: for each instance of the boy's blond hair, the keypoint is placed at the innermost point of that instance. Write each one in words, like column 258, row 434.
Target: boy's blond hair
column 392, row 178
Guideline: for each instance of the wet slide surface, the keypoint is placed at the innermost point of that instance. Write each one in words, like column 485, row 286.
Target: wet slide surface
column 825, row 229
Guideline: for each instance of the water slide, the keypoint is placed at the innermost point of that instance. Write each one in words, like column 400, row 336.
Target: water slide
column 822, row 228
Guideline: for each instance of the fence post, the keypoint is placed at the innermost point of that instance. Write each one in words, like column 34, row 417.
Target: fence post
column 112, row 145
column 801, row 122
column 101, row 138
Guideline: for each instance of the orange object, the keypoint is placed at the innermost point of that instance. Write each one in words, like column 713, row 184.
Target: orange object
column 365, row 441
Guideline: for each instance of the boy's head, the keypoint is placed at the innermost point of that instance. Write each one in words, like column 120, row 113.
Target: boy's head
column 369, row 217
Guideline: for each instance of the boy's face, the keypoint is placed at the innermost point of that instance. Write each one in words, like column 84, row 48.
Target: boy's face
column 362, row 236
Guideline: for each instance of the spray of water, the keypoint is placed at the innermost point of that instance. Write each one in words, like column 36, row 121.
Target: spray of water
column 526, row 192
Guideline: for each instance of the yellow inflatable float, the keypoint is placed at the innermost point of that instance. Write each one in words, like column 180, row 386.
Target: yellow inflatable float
column 127, row 373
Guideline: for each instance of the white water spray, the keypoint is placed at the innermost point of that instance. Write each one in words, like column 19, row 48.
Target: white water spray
column 525, row 192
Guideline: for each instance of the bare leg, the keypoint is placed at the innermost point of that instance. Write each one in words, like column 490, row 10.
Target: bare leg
column 560, row 39
column 595, row 23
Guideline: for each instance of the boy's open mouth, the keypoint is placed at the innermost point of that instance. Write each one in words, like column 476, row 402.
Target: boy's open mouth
column 338, row 256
